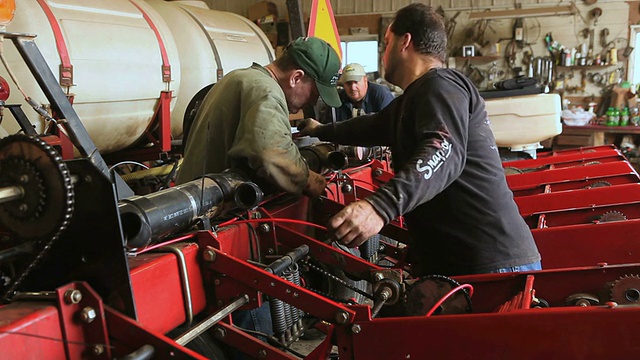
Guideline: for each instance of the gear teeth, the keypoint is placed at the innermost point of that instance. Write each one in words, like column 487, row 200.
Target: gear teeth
column 625, row 290
column 612, row 215
column 510, row 170
column 54, row 191
column 597, row 184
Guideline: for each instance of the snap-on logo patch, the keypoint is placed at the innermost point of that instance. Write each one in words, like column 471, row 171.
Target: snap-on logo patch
column 436, row 161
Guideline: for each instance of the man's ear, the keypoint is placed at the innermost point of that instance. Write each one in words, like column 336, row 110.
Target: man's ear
column 405, row 41
column 295, row 77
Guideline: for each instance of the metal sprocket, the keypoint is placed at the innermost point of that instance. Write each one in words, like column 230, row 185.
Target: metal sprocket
column 47, row 202
column 428, row 290
column 626, row 290
column 597, row 184
column 612, row 215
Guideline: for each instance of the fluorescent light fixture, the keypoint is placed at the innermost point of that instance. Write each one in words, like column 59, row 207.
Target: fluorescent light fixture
column 516, row 13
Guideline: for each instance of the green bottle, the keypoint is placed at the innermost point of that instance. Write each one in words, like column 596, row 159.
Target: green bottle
column 610, row 117
column 624, row 117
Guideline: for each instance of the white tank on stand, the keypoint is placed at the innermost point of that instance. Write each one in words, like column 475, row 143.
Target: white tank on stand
column 121, row 51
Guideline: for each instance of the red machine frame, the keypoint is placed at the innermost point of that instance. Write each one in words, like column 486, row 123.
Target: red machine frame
column 207, row 272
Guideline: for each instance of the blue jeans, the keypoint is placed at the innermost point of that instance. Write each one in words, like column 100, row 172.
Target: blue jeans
column 258, row 319
column 519, row 268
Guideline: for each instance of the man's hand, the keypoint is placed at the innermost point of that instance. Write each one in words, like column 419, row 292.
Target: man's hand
column 307, row 126
column 356, row 223
column 315, row 185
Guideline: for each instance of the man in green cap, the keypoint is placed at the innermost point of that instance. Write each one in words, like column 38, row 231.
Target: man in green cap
column 243, row 122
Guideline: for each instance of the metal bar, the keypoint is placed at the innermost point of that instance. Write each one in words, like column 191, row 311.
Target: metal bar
column 184, row 279
column 326, row 253
column 250, row 345
column 207, row 323
column 277, row 287
column 10, row 193
column 296, row 22
column 60, row 104
column 528, row 180
column 21, row 119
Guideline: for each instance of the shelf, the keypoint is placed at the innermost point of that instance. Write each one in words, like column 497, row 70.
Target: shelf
column 585, row 66
column 627, row 129
column 478, row 58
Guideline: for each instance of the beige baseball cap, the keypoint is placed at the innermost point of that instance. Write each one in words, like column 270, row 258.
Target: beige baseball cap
column 352, row 72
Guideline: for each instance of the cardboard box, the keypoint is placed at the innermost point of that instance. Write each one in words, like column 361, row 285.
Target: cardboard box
column 262, row 9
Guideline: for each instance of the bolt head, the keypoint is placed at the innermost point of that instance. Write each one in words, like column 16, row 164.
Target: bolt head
column 220, row 333
column 356, row 329
column 265, row 228
column 88, row 314
column 209, row 255
column 342, row 317
column 262, row 354
column 97, row 349
column 72, row 296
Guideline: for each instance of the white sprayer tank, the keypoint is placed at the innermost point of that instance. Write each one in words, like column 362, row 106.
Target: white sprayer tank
column 120, row 50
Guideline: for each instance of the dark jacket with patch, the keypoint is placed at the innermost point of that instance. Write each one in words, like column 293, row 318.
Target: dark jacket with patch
column 449, row 183
column 376, row 98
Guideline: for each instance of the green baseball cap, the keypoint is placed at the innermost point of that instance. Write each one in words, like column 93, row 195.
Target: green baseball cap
column 320, row 62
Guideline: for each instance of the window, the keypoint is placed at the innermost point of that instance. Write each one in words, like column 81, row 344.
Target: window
column 634, row 61
column 361, row 49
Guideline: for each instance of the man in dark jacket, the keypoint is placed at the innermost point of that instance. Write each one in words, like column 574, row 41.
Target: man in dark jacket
column 449, row 183
column 359, row 96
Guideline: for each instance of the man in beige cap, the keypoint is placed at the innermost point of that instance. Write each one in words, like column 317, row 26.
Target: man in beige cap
column 359, row 96
column 243, row 122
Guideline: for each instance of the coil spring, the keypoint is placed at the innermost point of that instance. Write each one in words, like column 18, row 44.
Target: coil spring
column 296, row 280
column 286, row 318
column 278, row 321
column 292, row 274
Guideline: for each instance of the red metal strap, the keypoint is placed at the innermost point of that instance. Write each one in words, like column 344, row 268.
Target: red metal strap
column 166, row 67
column 66, row 69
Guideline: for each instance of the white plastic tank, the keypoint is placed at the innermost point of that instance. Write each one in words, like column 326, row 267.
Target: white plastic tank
column 521, row 122
column 118, row 63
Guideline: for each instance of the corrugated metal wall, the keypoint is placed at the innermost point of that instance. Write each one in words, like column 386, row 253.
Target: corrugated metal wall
column 342, row 7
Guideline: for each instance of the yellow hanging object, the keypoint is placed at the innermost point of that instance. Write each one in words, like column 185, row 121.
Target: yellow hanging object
column 7, row 10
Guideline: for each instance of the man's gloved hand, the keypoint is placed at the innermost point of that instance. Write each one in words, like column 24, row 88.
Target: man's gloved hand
column 307, row 126
column 356, row 223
